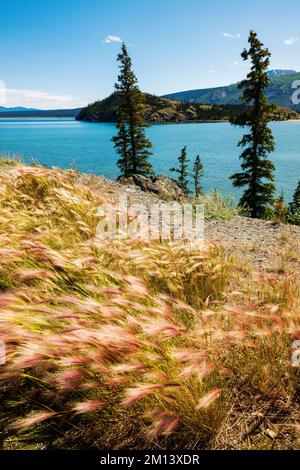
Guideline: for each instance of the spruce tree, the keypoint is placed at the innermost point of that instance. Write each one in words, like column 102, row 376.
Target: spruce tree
column 198, row 172
column 122, row 144
column 295, row 205
column 258, row 170
column 131, row 142
column 183, row 172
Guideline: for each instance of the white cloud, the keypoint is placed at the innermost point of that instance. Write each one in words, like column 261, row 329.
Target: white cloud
column 231, row 36
column 290, row 41
column 237, row 63
column 212, row 71
column 111, row 38
column 40, row 99
column 2, row 93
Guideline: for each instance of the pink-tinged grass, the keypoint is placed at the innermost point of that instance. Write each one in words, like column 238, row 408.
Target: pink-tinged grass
column 132, row 344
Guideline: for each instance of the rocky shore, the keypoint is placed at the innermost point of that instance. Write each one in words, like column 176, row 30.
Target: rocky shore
column 264, row 244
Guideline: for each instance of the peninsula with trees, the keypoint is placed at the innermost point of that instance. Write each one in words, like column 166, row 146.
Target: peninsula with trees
column 163, row 110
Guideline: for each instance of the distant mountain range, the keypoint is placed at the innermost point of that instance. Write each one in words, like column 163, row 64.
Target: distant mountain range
column 16, row 109
column 280, row 92
column 280, row 73
column 31, row 112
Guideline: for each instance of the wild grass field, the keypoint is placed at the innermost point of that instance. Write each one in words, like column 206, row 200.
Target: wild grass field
column 131, row 344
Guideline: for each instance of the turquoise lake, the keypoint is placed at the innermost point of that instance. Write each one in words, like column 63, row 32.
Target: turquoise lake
column 87, row 147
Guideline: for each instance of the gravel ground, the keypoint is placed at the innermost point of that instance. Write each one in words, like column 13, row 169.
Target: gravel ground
column 264, row 244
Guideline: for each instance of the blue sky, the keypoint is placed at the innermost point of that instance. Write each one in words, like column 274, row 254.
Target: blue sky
column 53, row 53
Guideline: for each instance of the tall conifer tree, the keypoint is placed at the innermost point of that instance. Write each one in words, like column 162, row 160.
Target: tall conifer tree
column 122, row 144
column 258, row 170
column 198, row 172
column 295, row 205
column 131, row 142
column 182, row 170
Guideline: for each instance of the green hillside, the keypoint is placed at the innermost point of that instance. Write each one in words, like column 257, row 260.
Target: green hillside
column 165, row 110
column 280, row 93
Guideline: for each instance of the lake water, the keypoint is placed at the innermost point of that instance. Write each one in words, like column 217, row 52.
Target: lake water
column 87, row 146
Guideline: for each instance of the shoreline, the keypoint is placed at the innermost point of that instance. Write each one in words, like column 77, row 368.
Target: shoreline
column 150, row 123
column 204, row 121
